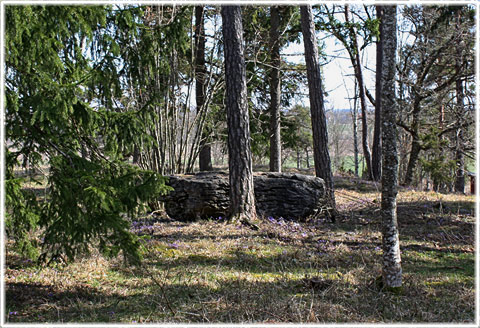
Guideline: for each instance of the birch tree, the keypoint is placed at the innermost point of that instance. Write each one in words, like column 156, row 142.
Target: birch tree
column 392, row 269
column 376, row 146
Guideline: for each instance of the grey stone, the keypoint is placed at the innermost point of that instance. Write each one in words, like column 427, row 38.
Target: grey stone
column 206, row 195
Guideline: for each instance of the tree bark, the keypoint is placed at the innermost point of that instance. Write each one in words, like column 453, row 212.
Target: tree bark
column 355, row 132
column 416, row 147
column 136, row 154
column 459, row 140
column 357, row 65
column 412, row 161
column 298, row 158
column 321, row 155
column 308, row 157
column 275, row 92
column 242, row 201
column 376, row 147
column 205, row 156
column 459, row 157
column 392, row 268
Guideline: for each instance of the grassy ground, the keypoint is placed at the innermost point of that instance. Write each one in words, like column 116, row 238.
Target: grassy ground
column 285, row 272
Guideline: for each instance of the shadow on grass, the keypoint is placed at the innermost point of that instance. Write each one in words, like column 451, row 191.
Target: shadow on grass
column 247, row 286
column 429, row 262
column 356, row 184
column 237, row 299
column 234, row 300
column 32, row 302
column 427, row 221
column 446, row 223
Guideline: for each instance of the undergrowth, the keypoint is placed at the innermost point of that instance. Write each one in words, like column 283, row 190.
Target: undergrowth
column 310, row 272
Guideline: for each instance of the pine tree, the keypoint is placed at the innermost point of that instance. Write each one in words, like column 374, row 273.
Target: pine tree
column 205, row 156
column 317, row 106
column 242, row 201
column 275, row 92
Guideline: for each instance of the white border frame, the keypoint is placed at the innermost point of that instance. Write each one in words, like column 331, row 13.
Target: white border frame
column 241, row 2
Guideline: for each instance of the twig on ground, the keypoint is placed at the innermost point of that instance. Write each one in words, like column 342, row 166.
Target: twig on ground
column 162, row 288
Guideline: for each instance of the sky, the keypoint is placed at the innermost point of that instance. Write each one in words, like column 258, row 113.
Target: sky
column 338, row 72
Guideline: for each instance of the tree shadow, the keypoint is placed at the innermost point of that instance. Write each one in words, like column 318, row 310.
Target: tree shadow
column 356, row 184
column 34, row 302
column 437, row 222
column 233, row 299
column 237, row 291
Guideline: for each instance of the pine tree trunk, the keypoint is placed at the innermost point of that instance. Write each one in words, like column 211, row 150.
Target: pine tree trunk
column 376, row 147
column 412, row 160
column 357, row 65
column 321, row 155
column 136, row 154
column 205, row 156
column 298, row 158
column 392, row 269
column 275, row 92
column 416, row 147
column 460, row 162
column 459, row 140
column 355, row 132
column 308, row 158
column 242, row 201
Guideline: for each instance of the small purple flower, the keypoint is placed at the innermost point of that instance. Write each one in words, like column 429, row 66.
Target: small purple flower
column 377, row 248
column 271, row 219
column 13, row 313
column 304, row 235
column 173, row 245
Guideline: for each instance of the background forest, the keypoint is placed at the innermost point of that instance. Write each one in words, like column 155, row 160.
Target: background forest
column 102, row 103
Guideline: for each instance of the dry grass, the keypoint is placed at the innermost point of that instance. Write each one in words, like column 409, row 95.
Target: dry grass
column 313, row 272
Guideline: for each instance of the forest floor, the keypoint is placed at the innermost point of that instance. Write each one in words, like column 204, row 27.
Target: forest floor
column 311, row 272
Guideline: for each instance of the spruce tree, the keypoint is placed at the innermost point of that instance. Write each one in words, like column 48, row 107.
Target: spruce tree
column 61, row 114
